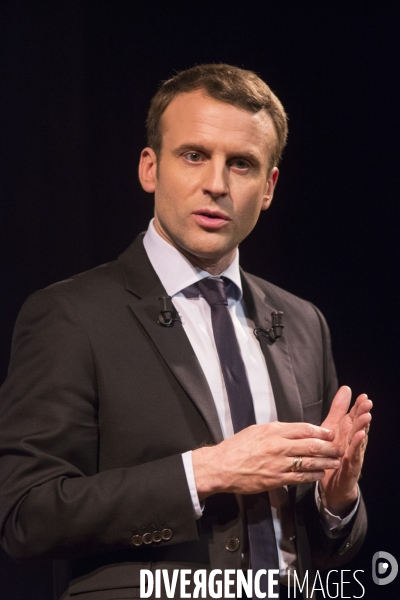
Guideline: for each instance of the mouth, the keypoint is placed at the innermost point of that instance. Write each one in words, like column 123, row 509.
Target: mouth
column 210, row 219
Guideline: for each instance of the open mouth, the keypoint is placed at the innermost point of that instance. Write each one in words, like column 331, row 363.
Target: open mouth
column 210, row 220
column 210, row 215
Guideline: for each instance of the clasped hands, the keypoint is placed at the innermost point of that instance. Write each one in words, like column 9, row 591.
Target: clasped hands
column 260, row 457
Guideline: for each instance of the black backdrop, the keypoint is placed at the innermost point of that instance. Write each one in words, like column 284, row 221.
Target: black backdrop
column 79, row 76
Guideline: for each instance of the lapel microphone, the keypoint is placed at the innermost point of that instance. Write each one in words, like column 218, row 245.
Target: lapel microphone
column 275, row 332
column 167, row 313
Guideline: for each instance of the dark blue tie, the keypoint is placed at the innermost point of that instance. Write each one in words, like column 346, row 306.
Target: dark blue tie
column 262, row 542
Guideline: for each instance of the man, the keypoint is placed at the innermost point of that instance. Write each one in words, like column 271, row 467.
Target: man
column 144, row 425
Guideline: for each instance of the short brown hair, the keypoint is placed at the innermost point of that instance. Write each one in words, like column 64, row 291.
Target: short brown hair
column 225, row 83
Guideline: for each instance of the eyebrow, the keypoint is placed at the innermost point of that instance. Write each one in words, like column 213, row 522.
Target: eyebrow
column 196, row 147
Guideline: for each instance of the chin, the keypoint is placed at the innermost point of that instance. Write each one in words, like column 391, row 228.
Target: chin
column 212, row 252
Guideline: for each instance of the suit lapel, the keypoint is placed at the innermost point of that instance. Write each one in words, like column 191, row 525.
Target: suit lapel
column 172, row 342
column 277, row 357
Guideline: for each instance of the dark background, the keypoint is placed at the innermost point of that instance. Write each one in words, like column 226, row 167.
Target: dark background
column 78, row 79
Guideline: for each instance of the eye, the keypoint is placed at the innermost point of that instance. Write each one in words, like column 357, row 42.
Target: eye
column 193, row 156
column 240, row 164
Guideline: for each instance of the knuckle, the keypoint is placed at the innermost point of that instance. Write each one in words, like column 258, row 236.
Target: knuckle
column 308, row 430
column 311, row 463
column 315, row 446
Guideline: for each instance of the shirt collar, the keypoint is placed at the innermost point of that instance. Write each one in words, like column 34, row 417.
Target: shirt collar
column 175, row 271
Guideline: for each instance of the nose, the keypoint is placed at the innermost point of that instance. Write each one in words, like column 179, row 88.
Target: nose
column 216, row 182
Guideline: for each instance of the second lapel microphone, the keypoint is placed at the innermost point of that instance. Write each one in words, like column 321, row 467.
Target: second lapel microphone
column 274, row 333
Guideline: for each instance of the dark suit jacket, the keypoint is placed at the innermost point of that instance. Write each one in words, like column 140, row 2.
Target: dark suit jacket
column 99, row 404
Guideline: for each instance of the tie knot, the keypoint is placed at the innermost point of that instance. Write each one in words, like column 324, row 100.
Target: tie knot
column 213, row 290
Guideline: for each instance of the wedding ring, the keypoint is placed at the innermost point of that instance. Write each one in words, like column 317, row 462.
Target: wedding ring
column 297, row 462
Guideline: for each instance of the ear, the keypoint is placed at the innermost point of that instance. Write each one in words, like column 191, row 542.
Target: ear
column 148, row 170
column 270, row 188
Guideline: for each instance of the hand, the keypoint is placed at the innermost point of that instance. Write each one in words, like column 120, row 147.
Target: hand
column 339, row 487
column 260, row 458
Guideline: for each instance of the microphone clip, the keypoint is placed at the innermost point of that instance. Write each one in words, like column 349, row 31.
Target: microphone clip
column 275, row 332
column 167, row 313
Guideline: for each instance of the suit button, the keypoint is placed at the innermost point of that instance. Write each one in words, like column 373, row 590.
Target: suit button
column 166, row 534
column 147, row 538
column 156, row 536
column 232, row 544
column 136, row 540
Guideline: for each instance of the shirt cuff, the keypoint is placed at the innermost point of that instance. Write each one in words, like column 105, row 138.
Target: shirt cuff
column 333, row 524
column 188, row 466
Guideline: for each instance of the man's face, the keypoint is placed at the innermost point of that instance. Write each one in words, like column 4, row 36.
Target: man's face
column 213, row 177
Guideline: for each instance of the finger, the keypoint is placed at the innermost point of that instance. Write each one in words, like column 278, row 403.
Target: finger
column 365, row 407
column 360, row 424
column 302, row 477
column 340, row 406
column 356, row 453
column 311, row 463
column 364, row 443
column 363, row 404
column 357, row 444
column 313, row 447
column 294, row 431
column 361, row 421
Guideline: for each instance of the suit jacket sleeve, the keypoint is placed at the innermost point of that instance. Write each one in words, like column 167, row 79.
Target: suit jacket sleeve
column 54, row 501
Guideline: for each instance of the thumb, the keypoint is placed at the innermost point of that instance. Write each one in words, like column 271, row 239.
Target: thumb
column 340, row 406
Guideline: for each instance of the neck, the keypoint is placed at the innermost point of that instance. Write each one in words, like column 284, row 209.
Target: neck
column 213, row 265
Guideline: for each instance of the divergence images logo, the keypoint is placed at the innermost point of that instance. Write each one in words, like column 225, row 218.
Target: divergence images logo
column 380, row 568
